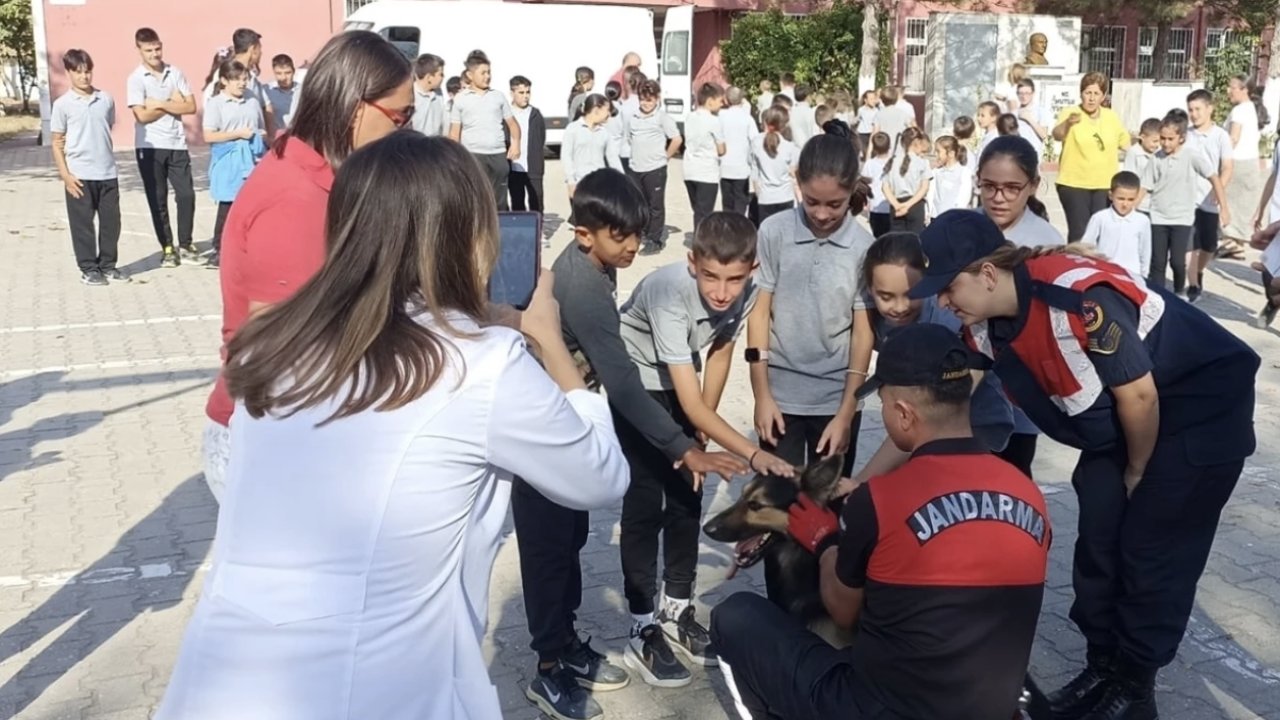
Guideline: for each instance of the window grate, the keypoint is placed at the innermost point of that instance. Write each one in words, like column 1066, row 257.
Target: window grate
column 1102, row 49
column 1177, row 61
column 915, row 51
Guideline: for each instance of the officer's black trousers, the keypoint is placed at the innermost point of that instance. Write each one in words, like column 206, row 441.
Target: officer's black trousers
column 1137, row 560
column 781, row 669
column 549, row 539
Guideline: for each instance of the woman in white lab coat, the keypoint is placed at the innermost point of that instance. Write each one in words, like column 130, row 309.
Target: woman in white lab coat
column 378, row 424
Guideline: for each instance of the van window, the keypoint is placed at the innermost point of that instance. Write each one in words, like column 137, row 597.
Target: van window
column 675, row 53
column 406, row 39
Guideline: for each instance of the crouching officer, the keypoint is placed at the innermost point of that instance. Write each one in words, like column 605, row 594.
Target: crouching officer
column 1159, row 399
column 940, row 564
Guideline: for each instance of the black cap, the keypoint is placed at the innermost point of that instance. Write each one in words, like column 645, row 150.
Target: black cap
column 922, row 355
column 953, row 241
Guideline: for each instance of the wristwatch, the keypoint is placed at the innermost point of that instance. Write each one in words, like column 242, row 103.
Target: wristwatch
column 756, row 355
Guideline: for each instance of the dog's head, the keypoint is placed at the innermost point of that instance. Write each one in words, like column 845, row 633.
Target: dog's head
column 759, row 516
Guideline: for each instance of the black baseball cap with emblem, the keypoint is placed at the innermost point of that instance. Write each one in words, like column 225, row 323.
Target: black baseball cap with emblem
column 922, row 355
column 953, row 241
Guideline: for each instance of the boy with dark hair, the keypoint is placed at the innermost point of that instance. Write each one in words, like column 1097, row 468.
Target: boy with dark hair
column 1121, row 234
column 527, row 169
column 1215, row 143
column 80, row 123
column 654, row 140
column 610, row 213
column 1141, row 154
column 481, row 120
column 803, row 123
column 704, row 146
column 674, row 314
column 158, row 95
column 282, row 93
column 430, row 117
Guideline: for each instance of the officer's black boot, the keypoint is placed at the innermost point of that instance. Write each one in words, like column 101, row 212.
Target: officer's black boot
column 1131, row 695
column 1075, row 699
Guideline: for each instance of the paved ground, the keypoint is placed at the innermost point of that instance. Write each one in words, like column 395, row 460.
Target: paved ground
column 105, row 522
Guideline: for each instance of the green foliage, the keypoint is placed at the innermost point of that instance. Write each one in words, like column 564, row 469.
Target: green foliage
column 822, row 49
column 18, row 42
column 884, row 67
column 1234, row 59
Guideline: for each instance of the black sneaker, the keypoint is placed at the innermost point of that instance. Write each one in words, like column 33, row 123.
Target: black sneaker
column 188, row 253
column 115, row 275
column 170, row 259
column 652, row 248
column 690, row 638
column 649, row 654
column 593, row 670
column 1193, row 293
column 92, row 277
column 211, row 262
column 1266, row 316
column 558, row 694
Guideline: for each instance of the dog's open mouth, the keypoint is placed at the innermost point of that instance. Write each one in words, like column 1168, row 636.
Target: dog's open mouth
column 748, row 552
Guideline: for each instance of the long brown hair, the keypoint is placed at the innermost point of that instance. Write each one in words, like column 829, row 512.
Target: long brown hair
column 1009, row 256
column 352, row 332
column 775, row 124
column 355, row 66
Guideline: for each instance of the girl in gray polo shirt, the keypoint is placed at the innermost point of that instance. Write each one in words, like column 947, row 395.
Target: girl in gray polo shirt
column 233, row 127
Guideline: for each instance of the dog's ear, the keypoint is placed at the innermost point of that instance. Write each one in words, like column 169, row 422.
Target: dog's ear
column 819, row 479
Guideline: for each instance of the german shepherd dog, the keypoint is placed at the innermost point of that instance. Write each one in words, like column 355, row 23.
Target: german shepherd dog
column 757, row 522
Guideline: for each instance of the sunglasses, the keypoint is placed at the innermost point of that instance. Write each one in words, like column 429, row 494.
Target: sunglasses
column 399, row 118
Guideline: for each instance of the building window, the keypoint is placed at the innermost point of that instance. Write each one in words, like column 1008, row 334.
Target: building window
column 1181, row 42
column 917, row 44
column 675, row 53
column 1218, row 39
column 354, row 5
column 1102, row 49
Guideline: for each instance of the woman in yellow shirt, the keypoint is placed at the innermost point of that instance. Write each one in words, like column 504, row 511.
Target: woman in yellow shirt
column 1092, row 138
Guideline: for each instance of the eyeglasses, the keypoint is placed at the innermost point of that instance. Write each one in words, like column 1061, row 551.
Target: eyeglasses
column 1098, row 139
column 399, row 118
column 1007, row 191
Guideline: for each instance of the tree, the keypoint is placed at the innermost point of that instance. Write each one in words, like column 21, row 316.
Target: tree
column 17, row 42
column 821, row 48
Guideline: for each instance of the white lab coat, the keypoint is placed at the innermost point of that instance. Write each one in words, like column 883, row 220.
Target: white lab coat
column 351, row 565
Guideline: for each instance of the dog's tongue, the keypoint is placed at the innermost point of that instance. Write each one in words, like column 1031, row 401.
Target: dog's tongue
column 741, row 548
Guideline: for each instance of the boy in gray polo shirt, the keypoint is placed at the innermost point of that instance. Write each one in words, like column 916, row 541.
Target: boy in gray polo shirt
column 81, row 122
column 654, row 140
column 159, row 95
column 674, row 314
column 476, row 121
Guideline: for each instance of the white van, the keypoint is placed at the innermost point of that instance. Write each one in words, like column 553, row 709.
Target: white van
column 543, row 42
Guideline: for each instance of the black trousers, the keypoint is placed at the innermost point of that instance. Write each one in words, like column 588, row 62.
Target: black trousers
column 735, row 195
column 95, row 249
column 160, row 169
column 1169, row 245
column 765, row 211
column 224, row 209
column 1080, row 204
column 549, row 538
column 912, row 222
column 799, row 444
column 1020, row 451
column 653, row 185
column 881, row 223
column 780, row 668
column 702, row 196
column 660, row 503
column 496, row 167
column 1137, row 560
column 522, row 185
column 1208, row 231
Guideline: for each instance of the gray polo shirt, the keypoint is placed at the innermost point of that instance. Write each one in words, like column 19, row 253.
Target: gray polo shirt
column 585, row 150
column 648, row 136
column 702, row 132
column 282, row 102
column 738, row 129
column 166, row 133
column 905, row 186
column 816, row 289
column 253, row 86
column 86, row 120
column 772, row 175
column 1216, row 145
column 429, row 116
column 892, row 120
column 666, row 322
column 224, row 113
column 482, row 116
column 1173, row 181
column 1136, row 160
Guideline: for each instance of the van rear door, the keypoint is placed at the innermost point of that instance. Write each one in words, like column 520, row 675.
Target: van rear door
column 677, row 62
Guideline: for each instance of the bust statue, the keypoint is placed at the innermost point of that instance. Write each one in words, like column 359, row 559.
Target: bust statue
column 1035, row 50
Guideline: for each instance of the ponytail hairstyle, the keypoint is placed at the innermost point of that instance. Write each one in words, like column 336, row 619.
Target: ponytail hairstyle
column 1022, row 153
column 881, row 145
column 230, row 70
column 829, row 156
column 1009, row 256
column 954, row 146
column 775, row 120
column 906, row 140
column 593, row 102
column 894, row 248
column 1255, row 97
column 220, row 56
column 581, row 77
column 1007, row 124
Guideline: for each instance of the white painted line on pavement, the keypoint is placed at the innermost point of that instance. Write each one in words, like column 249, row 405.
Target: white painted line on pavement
column 112, row 365
column 108, row 324
column 98, row 576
